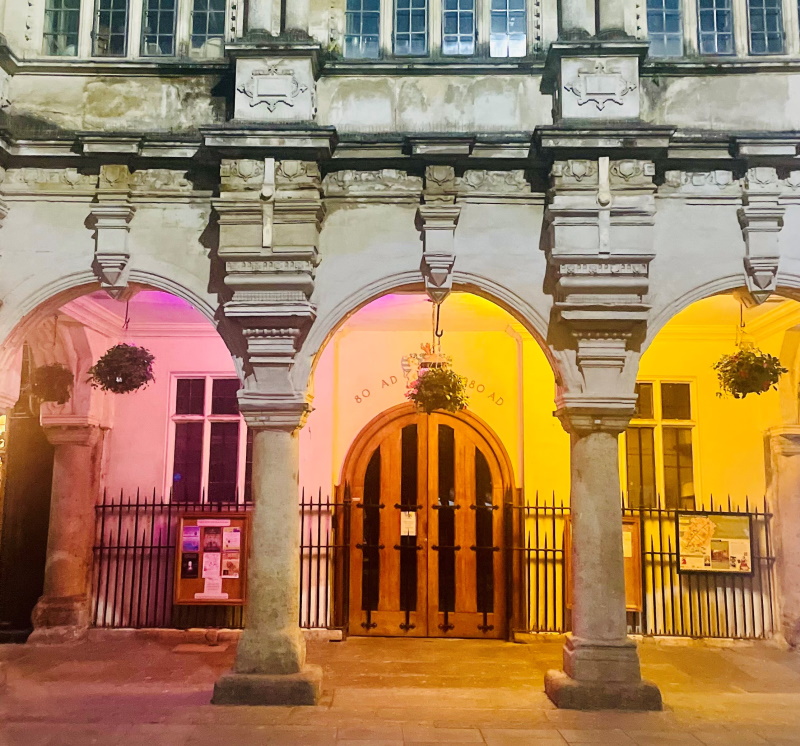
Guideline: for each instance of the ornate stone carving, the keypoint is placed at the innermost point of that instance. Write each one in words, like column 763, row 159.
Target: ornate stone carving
column 160, row 180
column 387, row 181
column 48, row 180
column 714, row 186
column 275, row 89
column 111, row 224
column 440, row 184
column 600, row 290
column 632, row 172
column 493, row 182
column 270, row 215
column 600, row 82
column 761, row 219
column 114, row 177
column 241, row 175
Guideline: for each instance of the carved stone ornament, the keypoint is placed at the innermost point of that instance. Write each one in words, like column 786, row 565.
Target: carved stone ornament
column 632, row 172
column 437, row 222
column 275, row 89
column 160, row 180
column 440, row 184
column 387, row 181
column 599, row 82
column 272, row 86
column 114, row 176
column 493, row 182
column 575, row 173
column 241, row 175
column 297, row 174
column 111, row 224
column 48, row 180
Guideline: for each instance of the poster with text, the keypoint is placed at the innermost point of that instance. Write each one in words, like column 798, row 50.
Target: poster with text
column 714, row 542
column 230, row 564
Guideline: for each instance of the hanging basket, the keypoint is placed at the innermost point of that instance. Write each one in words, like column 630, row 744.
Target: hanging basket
column 53, row 383
column 748, row 371
column 438, row 387
column 124, row 368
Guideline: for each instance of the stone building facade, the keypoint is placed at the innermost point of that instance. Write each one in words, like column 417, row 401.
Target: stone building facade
column 278, row 166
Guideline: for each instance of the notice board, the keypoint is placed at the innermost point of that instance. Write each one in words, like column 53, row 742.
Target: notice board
column 211, row 559
column 632, row 556
column 714, row 542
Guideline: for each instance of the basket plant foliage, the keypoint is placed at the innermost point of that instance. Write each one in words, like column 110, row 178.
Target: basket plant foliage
column 748, row 371
column 439, row 387
column 124, row 368
column 53, row 383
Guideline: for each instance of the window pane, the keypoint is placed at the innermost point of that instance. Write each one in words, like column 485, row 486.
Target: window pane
column 61, row 24
column 158, row 28
column 224, row 398
column 664, row 28
column 678, row 469
column 111, row 28
column 508, row 23
column 362, row 24
column 715, row 20
column 766, row 26
column 411, row 27
column 644, row 401
column 208, row 28
column 223, row 462
column 641, row 467
column 676, row 401
column 190, row 396
column 188, row 462
column 458, row 27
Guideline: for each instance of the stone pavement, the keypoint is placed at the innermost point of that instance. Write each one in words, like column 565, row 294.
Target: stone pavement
column 126, row 689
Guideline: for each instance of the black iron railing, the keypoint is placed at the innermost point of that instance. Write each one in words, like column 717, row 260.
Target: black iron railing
column 674, row 604
column 134, row 564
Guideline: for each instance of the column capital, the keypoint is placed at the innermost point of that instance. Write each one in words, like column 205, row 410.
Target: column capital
column 581, row 415
column 70, row 430
column 281, row 412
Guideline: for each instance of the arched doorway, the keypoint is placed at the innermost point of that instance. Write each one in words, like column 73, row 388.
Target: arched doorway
column 429, row 523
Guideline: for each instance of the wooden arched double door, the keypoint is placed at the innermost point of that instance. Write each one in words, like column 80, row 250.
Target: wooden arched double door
column 427, row 527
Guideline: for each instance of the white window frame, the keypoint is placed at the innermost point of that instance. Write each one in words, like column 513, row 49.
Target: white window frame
column 741, row 32
column 135, row 47
column 435, row 23
column 207, row 419
column 659, row 424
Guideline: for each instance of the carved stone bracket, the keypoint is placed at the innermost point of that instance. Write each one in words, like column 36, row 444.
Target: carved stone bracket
column 270, row 214
column 599, row 247
column 110, row 219
column 761, row 218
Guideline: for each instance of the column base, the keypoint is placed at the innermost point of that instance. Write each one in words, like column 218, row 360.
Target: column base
column 303, row 688
column 59, row 621
column 570, row 694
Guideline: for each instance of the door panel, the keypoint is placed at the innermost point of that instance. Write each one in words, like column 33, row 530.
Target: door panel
column 426, row 531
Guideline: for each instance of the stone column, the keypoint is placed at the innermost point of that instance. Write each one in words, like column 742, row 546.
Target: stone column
column 784, row 443
column 576, row 20
column 270, row 666
column 63, row 612
column 297, row 15
column 601, row 664
column 611, row 19
column 259, row 15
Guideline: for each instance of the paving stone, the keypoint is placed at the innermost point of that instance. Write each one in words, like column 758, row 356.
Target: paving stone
column 597, row 735
column 520, row 737
column 421, row 733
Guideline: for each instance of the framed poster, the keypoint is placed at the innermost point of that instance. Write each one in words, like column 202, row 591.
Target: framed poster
column 631, row 555
column 211, row 559
column 714, row 542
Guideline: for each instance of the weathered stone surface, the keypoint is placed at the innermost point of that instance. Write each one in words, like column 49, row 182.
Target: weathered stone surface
column 302, row 688
column 569, row 694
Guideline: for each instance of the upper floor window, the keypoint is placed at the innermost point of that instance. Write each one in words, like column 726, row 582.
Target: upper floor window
column 61, row 27
column 158, row 28
column 146, row 28
column 111, row 28
column 420, row 28
column 765, row 22
column 715, row 26
column 664, row 28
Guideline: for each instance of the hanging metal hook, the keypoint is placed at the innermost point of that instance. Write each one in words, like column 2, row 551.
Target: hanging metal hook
column 437, row 332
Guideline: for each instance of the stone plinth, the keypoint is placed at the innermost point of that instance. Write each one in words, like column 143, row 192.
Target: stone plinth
column 302, row 688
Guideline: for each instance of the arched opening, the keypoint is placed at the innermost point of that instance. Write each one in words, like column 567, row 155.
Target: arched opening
column 97, row 534
column 361, row 379
column 712, row 475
